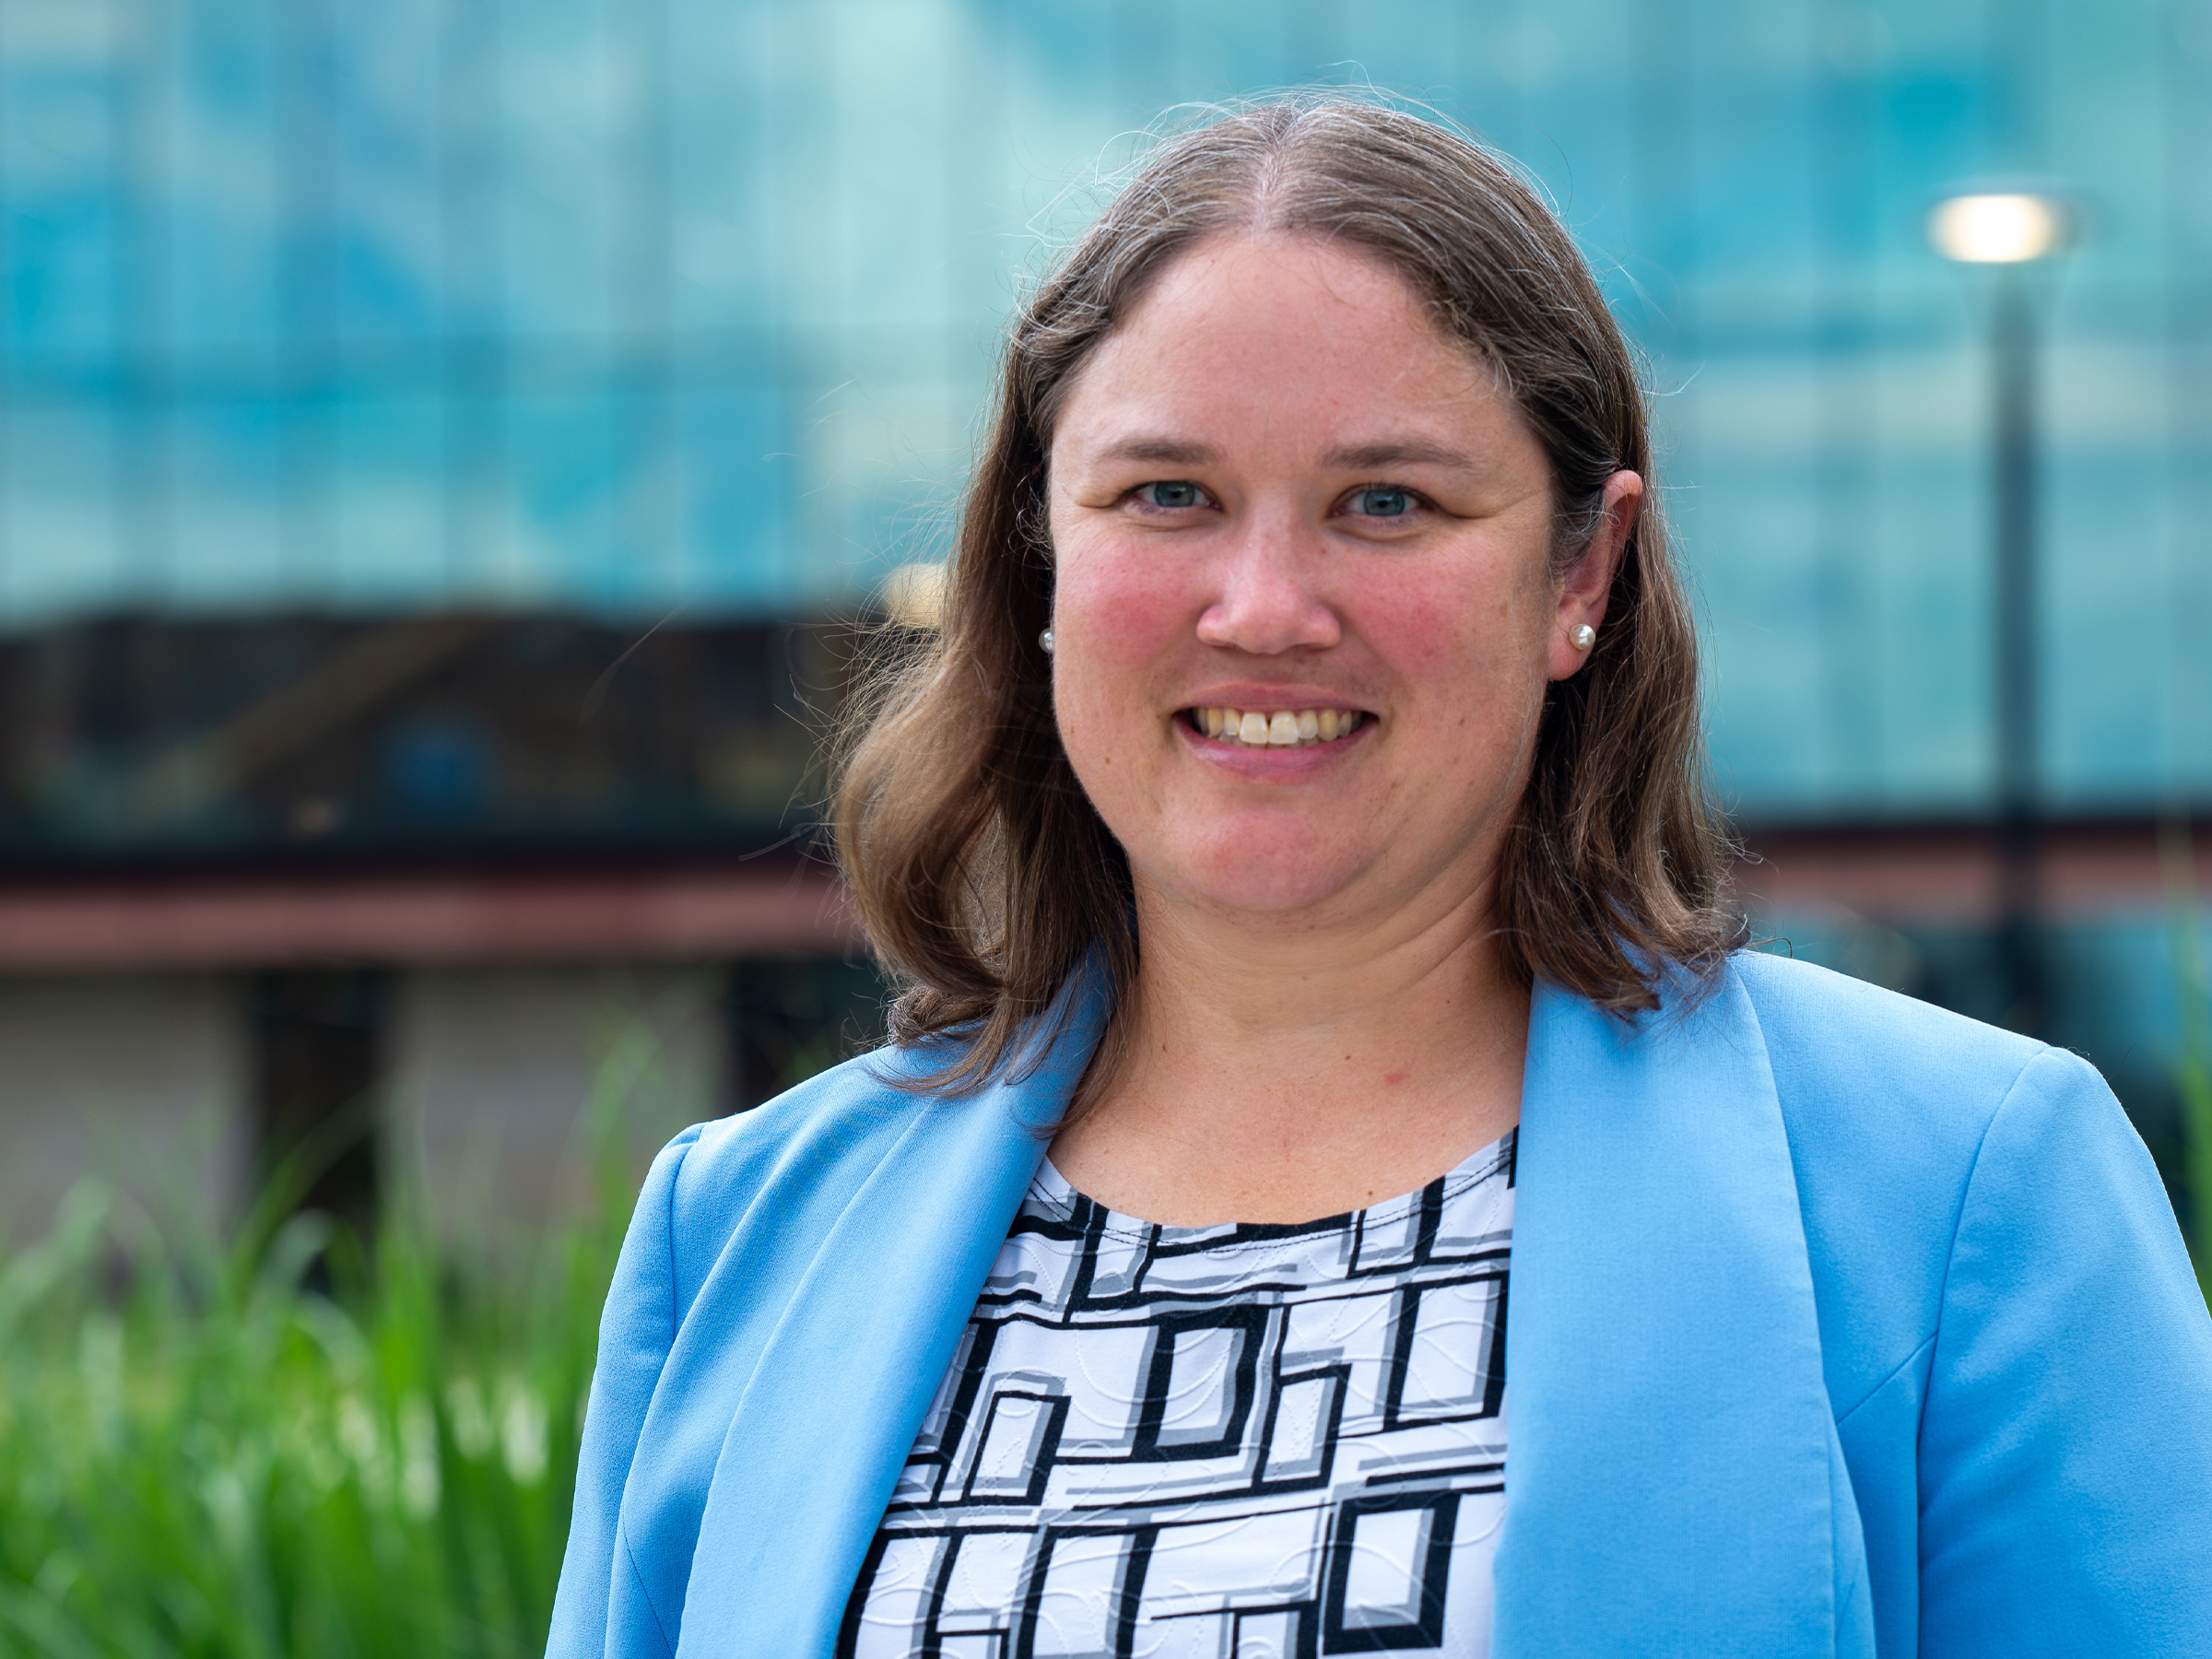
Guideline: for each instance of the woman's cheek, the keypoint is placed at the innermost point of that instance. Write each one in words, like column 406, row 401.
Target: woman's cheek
column 1124, row 610
column 1422, row 634
column 1102, row 727
column 1469, row 655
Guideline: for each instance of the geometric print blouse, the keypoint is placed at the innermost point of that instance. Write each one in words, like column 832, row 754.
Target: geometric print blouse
column 1244, row 1442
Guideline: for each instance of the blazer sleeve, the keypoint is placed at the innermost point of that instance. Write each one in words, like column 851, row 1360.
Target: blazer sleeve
column 636, row 1332
column 2066, row 1450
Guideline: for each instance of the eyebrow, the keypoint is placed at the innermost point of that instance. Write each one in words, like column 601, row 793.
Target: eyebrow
column 1363, row 457
column 1399, row 452
column 1179, row 451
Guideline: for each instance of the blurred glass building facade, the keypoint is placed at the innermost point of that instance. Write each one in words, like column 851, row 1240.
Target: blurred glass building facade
column 458, row 429
column 613, row 307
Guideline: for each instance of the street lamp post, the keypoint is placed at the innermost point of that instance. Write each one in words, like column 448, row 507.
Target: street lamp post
column 2010, row 231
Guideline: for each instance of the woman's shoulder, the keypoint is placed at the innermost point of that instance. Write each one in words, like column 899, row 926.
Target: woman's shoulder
column 1829, row 1036
column 1873, row 1083
column 841, row 1105
column 1915, row 1133
column 805, row 1151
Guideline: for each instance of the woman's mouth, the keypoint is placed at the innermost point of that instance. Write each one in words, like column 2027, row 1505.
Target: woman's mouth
column 1282, row 728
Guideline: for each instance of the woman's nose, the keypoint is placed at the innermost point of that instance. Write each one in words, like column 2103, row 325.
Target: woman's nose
column 1266, row 600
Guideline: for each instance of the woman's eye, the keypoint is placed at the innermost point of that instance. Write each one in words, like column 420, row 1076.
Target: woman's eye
column 1383, row 503
column 1174, row 494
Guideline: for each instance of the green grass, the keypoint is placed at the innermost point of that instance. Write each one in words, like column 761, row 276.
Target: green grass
column 202, row 1453
column 286, row 1444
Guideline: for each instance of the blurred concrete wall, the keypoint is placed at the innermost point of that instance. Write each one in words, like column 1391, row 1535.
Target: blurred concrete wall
column 497, row 1073
column 491, row 1078
column 139, row 1078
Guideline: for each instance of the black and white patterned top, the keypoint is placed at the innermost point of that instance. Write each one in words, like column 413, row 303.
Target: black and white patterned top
column 1234, row 1442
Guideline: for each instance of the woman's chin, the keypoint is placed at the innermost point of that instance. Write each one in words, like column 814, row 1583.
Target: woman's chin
column 1267, row 889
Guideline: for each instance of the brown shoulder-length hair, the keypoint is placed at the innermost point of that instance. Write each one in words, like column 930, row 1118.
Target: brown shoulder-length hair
column 983, row 873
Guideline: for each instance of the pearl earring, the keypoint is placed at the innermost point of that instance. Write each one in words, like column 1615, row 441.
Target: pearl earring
column 1583, row 636
column 1045, row 639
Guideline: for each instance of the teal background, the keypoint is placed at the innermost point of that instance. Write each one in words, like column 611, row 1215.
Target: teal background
column 636, row 306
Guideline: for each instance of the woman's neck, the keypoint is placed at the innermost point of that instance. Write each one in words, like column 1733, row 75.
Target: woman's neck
column 1281, row 1073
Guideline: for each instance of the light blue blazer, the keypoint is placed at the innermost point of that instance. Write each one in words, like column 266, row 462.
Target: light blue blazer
column 1840, row 1325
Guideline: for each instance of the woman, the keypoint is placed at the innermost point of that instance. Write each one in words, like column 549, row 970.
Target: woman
column 1299, row 816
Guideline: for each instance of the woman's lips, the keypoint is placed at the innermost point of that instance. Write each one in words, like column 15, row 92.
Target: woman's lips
column 1300, row 750
column 1278, row 728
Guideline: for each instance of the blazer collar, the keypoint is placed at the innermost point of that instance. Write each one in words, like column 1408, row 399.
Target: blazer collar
column 1675, row 1484
column 822, row 1429
column 1673, row 1480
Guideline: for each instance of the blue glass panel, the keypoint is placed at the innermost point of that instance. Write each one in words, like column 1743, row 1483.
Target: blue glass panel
column 690, row 304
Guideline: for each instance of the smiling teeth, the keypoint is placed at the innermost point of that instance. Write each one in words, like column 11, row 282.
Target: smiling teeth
column 1284, row 729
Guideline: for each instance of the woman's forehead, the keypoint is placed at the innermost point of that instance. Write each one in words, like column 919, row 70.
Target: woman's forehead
column 1263, row 280
column 1289, row 338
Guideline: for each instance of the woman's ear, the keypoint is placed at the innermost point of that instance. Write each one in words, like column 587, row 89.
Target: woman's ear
column 1586, row 586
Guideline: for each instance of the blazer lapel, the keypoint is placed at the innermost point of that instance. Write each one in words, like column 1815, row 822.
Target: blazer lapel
column 1674, row 1481
column 823, row 1427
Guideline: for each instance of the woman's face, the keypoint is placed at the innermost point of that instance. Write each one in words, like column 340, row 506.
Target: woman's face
column 1277, row 490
